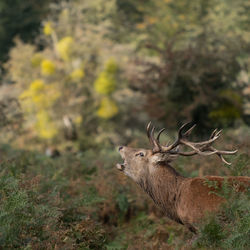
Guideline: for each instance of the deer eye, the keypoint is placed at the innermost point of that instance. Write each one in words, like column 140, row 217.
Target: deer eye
column 140, row 154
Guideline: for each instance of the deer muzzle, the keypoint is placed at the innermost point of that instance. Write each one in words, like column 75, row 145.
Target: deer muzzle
column 121, row 166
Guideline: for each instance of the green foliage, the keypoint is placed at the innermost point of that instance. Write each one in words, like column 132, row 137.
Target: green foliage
column 36, row 207
column 230, row 228
column 122, row 202
column 212, row 235
column 88, row 235
column 91, row 198
column 71, row 202
column 178, row 48
column 111, row 66
column 80, row 201
column 192, row 62
column 68, row 76
column 24, row 215
column 240, row 166
column 24, row 21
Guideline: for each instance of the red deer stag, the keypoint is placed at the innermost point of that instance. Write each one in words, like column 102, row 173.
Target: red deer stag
column 184, row 200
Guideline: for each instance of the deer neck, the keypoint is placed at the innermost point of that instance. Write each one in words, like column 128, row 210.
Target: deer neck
column 163, row 187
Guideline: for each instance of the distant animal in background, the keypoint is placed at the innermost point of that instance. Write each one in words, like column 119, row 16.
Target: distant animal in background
column 69, row 129
column 69, row 134
column 184, row 200
column 52, row 152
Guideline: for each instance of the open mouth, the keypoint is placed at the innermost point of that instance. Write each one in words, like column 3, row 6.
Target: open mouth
column 121, row 166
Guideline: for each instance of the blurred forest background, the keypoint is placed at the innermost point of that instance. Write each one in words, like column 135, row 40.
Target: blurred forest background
column 80, row 77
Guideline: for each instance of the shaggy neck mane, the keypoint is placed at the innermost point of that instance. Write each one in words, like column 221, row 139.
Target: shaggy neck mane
column 163, row 187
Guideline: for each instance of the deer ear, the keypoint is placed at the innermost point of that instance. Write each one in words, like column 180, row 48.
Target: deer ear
column 171, row 157
column 156, row 158
column 159, row 157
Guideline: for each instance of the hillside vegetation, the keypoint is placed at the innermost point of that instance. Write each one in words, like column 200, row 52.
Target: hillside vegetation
column 78, row 79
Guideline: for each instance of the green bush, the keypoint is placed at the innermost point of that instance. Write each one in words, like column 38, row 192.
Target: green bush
column 230, row 227
column 37, row 208
column 25, row 215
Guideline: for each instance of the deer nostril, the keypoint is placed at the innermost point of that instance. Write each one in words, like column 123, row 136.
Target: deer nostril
column 120, row 148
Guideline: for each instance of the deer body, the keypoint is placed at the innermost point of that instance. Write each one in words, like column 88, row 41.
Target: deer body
column 196, row 198
column 184, row 200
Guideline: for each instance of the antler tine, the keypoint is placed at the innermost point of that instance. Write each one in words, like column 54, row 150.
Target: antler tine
column 183, row 127
column 148, row 128
column 223, row 151
column 157, row 146
column 197, row 150
column 153, row 141
column 219, row 133
column 159, row 134
column 179, row 137
column 213, row 133
column 213, row 137
column 223, row 159
column 148, row 132
column 219, row 153
column 205, row 148
column 190, row 130
column 191, row 153
column 152, row 134
column 202, row 148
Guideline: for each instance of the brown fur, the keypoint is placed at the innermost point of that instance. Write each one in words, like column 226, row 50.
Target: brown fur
column 184, row 200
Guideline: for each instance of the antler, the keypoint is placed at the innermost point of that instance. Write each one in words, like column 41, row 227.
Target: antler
column 155, row 142
column 204, row 148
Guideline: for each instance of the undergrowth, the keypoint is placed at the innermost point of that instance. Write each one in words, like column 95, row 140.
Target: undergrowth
column 230, row 227
column 80, row 201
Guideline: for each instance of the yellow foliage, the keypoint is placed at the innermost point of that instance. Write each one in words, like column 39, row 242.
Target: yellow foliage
column 24, row 95
column 47, row 67
column 37, row 98
column 36, row 60
column 52, row 92
column 151, row 20
column 77, row 74
column 40, row 94
column 65, row 14
column 46, row 98
column 78, row 119
column 226, row 112
column 25, row 103
column 231, row 95
column 45, row 127
column 107, row 109
column 40, row 100
column 47, row 29
column 111, row 66
column 181, row 17
column 141, row 26
column 37, row 85
column 105, row 83
column 175, row 25
column 64, row 47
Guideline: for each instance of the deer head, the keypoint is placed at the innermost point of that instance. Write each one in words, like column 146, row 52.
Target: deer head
column 184, row 200
column 139, row 162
